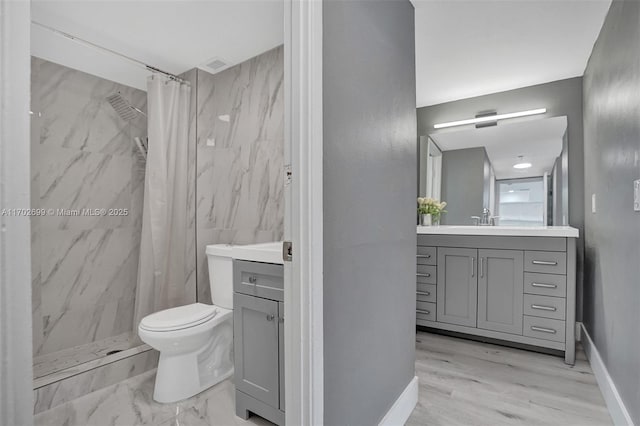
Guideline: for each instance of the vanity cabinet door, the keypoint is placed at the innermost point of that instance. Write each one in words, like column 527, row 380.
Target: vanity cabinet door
column 255, row 325
column 457, row 289
column 500, row 288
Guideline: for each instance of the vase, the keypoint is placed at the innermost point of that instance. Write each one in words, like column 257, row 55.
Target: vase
column 425, row 220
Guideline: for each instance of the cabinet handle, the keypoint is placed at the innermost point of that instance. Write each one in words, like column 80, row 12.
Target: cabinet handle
column 423, row 256
column 473, row 267
column 270, row 317
column 280, row 319
column 423, row 312
column 544, row 262
column 424, row 293
column 543, row 285
column 543, row 308
column 482, row 267
column 253, row 279
column 544, row 330
column 423, row 275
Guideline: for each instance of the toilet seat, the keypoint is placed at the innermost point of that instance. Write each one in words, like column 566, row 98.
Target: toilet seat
column 179, row 318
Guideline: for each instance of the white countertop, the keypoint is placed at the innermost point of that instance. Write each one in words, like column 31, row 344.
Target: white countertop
column 506, row 231
column 265, row 252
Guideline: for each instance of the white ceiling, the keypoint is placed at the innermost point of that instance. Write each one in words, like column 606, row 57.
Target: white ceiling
column 471, row 48
column 538, row 141
column 174, row 35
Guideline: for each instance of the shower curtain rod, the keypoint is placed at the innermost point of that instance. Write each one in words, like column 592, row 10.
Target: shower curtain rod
column 113, row 52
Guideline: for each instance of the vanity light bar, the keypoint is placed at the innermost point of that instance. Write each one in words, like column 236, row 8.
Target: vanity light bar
column 490, row 118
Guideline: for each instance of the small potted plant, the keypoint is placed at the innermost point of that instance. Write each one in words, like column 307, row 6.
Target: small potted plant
column 430, row 210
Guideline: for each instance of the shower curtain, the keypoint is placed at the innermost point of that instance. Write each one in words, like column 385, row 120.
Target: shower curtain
column 162, row 266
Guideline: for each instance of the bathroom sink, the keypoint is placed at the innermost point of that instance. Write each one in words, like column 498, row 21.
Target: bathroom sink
column 263, row 252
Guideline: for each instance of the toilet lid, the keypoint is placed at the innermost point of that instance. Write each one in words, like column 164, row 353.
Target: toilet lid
column 179, row 318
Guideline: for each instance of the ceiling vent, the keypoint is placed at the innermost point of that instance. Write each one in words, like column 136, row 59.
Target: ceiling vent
column 215, row 65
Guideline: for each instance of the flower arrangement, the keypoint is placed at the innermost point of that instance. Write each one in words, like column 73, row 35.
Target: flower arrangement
column 431, row 206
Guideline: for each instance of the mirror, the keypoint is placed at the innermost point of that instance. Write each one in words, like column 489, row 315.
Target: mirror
column 516, row 170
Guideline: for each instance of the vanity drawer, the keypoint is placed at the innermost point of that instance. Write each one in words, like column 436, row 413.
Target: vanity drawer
column 545, row 284
column 544, row 328
column 548, row 262
column 431, row 288
column 426, row 274
column 426, row 311
column 426, row 293
column 426, row 256
column 259, row 279
column 544, row 306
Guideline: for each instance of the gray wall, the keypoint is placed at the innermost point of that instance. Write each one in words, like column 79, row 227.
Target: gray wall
column 239, row 187
column 612, row 239
column 465, row 181
column 369, row 207
column 563, row 97
column 84, row 269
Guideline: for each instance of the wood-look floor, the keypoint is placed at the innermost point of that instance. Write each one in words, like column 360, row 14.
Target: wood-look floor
column 463, row 382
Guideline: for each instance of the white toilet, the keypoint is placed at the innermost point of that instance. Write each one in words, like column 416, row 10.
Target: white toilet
column 195, row 341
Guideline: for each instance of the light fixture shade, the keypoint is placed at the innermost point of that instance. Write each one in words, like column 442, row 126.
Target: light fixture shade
column 490, row 118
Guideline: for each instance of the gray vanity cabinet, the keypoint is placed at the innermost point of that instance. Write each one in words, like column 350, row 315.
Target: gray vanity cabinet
column 258, row 326
column 256, row 344
column 500, row 290
column 457, row 288
column 512, row 288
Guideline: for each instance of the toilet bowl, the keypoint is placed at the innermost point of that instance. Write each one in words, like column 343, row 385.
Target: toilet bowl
column 195, row 341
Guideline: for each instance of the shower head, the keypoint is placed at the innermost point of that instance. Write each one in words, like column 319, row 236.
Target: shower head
column 125, row 110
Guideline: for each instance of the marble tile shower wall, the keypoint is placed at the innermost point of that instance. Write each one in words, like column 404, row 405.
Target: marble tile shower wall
column 239, row 186
column 84, row 268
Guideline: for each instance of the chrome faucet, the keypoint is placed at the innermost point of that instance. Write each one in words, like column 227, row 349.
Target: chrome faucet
column 486, row 219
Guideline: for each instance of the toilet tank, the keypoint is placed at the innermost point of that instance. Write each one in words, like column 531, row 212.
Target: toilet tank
column 221, row 274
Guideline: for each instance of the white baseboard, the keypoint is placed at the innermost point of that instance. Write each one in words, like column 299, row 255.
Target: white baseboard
column 401, row 410
column 617, row 409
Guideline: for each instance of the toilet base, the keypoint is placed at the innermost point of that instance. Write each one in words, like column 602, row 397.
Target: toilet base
column 181, row 376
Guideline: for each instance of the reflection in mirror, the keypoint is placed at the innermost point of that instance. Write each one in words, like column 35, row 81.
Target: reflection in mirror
column 521, row 202
column 514, row 173
column 434, row 168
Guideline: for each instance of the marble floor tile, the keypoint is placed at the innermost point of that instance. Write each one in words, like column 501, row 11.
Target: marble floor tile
column 130, row 403
column 462, row 382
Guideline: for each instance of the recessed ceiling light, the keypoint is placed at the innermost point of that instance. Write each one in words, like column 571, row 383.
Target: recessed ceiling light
column 522, row 166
